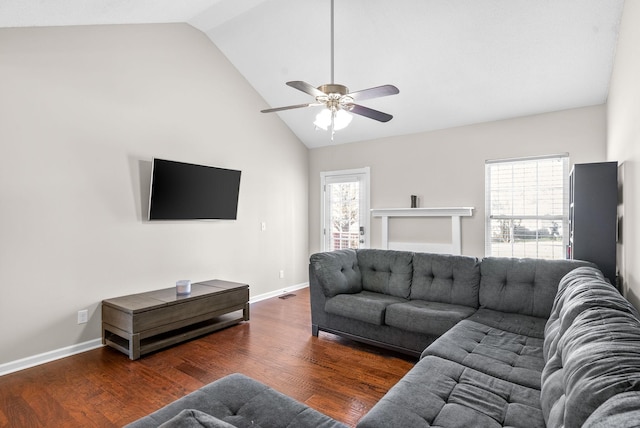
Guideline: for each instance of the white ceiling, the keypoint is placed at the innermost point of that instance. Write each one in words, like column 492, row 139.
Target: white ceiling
column 456, row 62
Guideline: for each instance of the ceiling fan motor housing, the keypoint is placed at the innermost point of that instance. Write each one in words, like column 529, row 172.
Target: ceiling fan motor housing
column 336, row 96
column 334, row 88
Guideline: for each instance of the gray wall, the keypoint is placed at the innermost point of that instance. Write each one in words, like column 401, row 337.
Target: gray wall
column 83, row 110
column 446, row 168
column 623, row 145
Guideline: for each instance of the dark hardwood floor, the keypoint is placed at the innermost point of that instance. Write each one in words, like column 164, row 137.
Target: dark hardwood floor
column 103, row 388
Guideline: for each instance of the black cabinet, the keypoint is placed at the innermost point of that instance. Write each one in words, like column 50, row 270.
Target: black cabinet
column 593, row 206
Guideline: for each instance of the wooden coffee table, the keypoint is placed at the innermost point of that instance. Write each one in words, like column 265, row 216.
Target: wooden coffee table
column 138, row 324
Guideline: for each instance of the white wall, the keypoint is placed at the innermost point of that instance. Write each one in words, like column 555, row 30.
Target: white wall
column 83, row 110
column 446, row 168
column 623, row 145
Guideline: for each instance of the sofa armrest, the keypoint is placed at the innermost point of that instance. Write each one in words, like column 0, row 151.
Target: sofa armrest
column 318, row 300
column 330, row 274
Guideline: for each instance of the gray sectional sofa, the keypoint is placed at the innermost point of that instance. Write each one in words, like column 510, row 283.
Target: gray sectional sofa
column 502, row 342
column 404, row 301
column 511, row 342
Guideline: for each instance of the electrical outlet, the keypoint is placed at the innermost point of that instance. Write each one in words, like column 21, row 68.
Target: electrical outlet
column 281, row 274
column 263, row 226
column 83, row 316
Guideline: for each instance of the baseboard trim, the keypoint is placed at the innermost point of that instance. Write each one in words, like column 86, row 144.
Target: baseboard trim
column 279, row 292
column 56, row 354
column 46, row 357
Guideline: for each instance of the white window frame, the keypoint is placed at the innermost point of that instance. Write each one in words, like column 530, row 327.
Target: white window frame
column 515, row 216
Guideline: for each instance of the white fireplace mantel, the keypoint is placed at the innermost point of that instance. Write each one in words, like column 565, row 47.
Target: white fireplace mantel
column 455, row 247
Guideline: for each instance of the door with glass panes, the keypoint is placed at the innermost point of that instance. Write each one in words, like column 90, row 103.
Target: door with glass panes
column 345, row 209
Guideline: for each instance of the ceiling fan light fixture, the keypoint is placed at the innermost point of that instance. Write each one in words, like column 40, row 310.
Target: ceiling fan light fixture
column 341, row 120
column 323, row 119
column 332, row 119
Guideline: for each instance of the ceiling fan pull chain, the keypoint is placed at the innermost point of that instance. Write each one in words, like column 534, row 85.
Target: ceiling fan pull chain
column 333, row 118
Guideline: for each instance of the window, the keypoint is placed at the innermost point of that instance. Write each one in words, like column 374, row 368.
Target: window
column 526, row 204
column 345, row 209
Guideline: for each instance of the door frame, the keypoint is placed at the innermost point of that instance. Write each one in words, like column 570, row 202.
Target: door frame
column 365, row 206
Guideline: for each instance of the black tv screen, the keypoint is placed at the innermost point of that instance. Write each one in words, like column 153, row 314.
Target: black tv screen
column 184, row 191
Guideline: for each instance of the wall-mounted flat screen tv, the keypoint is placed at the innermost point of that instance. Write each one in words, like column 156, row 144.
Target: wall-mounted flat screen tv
column 184, row 191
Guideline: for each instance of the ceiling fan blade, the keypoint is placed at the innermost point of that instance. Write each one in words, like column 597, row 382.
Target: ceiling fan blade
column 378, row 91
column 305, row 87
column 271, row 110
column 370, row 113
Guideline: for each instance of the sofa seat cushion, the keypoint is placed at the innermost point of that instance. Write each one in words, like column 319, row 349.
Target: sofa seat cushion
column 430, row 318
column 443, row 393
column 386, row 271
column 512, row 357
column 364, row 306
column 445, row 278
column 242, row 402
column 513, row 323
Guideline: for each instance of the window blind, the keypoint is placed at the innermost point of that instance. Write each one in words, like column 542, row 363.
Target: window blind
column 526, row 202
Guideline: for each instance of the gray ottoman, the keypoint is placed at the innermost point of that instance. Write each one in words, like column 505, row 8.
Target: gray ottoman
column 236, row 401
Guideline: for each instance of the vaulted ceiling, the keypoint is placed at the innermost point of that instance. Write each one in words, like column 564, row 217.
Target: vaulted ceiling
column 456, row 62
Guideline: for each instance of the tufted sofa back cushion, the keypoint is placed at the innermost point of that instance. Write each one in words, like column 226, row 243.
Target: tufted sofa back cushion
column 616, row 412
column 574, row 277
column 522, row 286
column 446, row 279
column 386, row 271
column 337, row 272
column 591, row 352
column 597, row 358
column 579, row 290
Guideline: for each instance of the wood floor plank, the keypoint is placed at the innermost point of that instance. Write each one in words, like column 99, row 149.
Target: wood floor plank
column 103, row 388
column 19, row 412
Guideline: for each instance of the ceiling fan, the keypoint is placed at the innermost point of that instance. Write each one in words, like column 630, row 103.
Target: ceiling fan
column 337, row 99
